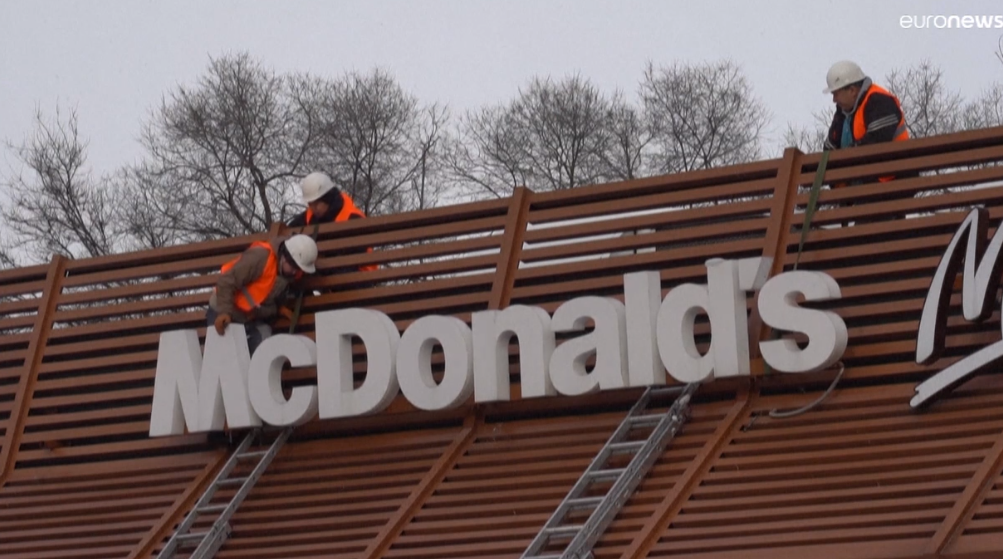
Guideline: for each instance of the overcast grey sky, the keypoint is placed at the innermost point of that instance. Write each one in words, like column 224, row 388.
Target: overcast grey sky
column 113, row 59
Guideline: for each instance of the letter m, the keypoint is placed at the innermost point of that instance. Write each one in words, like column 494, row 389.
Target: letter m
column 193, row 390
column 981, row 278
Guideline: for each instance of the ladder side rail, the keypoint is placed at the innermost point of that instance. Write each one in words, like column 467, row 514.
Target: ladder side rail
column 581, row 545
column 221, row 529
column 172, row 544
column 584, row 481
column 212, row 541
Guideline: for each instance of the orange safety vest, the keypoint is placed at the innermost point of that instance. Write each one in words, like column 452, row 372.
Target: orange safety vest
column 860, row 128
column 348, row 209
column 251, row 296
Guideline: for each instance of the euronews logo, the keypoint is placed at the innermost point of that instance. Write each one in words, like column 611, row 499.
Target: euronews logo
column 950, row 22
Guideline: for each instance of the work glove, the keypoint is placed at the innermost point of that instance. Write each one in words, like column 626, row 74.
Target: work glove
column 221, row 323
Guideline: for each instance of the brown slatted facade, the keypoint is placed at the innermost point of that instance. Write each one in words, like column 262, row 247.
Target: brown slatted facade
column 20, row 301
column 860, row 476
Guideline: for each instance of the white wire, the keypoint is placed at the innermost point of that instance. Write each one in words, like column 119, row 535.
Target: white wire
column 777, row 414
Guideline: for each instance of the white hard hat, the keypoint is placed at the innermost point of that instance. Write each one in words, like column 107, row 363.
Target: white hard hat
column 304, row 252
column 314, row 186
column 842, row 74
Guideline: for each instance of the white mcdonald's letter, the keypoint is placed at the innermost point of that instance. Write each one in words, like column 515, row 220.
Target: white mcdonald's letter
column 264, row 382
column 724, row 301
column 825, row 330
column 198, row 387
column 980, row 283
column 981, row 277
column 607, row 342
column 676, row 344
column 728, row 317
column 414, row 362
column 642, row 295
column 493, row 331
column 338, row 395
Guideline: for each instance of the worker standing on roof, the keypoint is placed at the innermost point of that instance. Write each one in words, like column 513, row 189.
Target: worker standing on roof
column 866, row 113
column 252, row 288
column 326, row 203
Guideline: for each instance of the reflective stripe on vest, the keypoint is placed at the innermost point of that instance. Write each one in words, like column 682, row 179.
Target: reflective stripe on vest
column 252, row 295
column 860, row 128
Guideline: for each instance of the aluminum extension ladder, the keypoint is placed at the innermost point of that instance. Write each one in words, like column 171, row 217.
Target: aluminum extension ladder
column 605, row 507
column 207, row 543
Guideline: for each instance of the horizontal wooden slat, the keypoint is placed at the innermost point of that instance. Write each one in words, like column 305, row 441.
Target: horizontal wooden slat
column 680, row 200
column 860, row 476
column 30, row 288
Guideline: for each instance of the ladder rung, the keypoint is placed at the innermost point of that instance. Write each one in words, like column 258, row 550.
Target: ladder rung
column 190, row 539
column 645, row 419
column 606, row 474
column 563, row 530
column 667, row 391
column 629, row 446
column 220, row 528
column 584, row 502
column 604, row 508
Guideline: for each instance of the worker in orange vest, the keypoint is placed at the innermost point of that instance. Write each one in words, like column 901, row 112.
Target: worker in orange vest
column 866, row 113
column 326, row 203
column 252, row 288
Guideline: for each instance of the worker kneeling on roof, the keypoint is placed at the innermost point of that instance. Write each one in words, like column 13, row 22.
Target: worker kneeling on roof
column 326, row 203
column 252, row 288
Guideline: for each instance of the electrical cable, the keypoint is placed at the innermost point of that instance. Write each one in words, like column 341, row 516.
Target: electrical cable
column 777, row 414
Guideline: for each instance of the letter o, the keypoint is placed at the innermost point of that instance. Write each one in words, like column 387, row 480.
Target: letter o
column 414, row 362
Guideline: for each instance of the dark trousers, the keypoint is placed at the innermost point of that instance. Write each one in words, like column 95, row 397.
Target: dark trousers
column 256, row 331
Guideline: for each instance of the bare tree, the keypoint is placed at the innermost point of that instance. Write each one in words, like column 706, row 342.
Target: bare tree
column 552, row 136
column 808, row 138
column 930, row 108
column 54, row 205
column 627, row 155
column 485, row 156
column 701, row 116
column 566, row 124
column 7, row 258
column 149, row 211
column 221, row 153
column 377, row 141
column 427, row 183
column 986, row 111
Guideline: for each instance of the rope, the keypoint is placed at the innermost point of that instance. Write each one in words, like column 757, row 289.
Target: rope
column 805, row 227
column 298, row 307
column 812, row 203
column 808, row 214
column 777, row 414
